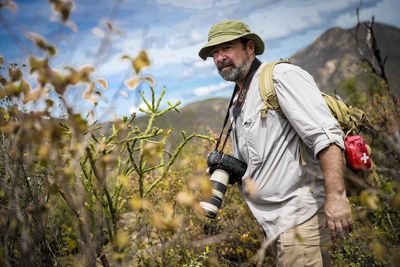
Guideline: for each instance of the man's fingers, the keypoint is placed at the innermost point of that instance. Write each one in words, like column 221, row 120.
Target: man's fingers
column 338, row 217
column 350, row 221
column 332, row 229
column 339, row 229
column 345, row 226
column 347, row 223
column 333, row 235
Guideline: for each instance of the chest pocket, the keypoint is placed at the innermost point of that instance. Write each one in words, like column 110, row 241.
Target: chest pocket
column 262, row 135
column 254, row 132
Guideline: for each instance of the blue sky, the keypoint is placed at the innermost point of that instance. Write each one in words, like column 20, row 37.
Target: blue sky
column 172, row 32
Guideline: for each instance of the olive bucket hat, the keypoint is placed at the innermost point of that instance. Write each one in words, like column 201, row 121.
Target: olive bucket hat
column 229, row 30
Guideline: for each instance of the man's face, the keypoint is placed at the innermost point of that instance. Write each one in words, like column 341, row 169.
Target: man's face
column 232, row 60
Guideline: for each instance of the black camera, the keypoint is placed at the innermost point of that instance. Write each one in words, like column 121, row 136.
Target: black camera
column 224, row 169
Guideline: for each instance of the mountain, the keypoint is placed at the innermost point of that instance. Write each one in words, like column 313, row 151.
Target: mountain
column 335, row 55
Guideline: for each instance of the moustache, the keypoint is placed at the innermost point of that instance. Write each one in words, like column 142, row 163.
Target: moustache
column 225, row 63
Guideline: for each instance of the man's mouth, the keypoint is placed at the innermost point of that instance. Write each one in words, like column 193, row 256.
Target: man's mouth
column 224, row 67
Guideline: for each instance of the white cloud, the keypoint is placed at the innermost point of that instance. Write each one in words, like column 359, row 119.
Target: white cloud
column 385, row 11
column 284, row 19
column 176, row 47
column 134, row 109
column 204, row 64
column 114, row 66
column 198, row 69
column 171, row 46
column 196, row 36
column 206, row 90
column 198, row 4
column 111, row 63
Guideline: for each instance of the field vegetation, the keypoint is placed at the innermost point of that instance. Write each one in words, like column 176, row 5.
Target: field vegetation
column 73, row 193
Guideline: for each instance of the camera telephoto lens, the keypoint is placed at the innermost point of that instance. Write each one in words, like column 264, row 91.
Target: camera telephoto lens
column 219, row 180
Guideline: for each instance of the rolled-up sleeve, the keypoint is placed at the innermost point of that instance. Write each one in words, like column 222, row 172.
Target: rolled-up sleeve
column 302, row 103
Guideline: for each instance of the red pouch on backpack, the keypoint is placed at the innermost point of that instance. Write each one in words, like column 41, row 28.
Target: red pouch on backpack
column 357, row 155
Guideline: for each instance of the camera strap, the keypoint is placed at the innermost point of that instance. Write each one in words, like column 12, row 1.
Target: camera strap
column 237, row 106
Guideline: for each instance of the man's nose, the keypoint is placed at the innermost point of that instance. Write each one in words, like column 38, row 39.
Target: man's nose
column 219, row 56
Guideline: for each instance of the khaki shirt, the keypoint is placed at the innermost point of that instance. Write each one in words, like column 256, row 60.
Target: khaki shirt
column 287, row 193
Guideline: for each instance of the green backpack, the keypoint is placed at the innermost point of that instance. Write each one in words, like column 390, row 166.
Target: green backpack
column 351, row 119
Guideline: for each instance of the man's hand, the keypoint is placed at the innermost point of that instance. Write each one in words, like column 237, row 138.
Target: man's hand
column 337, row 207
column 337, row 210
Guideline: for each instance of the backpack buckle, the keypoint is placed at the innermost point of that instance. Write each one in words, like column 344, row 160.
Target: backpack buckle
column 264, row 113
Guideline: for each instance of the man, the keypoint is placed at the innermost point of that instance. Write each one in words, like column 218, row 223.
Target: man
column 299, row 206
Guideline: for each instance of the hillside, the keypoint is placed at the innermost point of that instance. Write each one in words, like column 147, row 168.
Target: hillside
column 335, row 55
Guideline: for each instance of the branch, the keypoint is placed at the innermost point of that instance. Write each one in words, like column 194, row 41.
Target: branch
column 132, row 159
column 160, row 98
column 171, row 107
column 174, row 156
column 145, row 101
column 101, row 180
column 391, row 143
column 137, row 168
column 90, row 183
column 153, row 168
column 68, row 203
column 144, row 136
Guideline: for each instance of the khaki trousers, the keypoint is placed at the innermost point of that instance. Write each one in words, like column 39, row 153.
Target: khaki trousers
column 306, row 244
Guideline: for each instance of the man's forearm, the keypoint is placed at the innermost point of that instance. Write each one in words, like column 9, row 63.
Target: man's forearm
column 332, row 166
column 337, row 207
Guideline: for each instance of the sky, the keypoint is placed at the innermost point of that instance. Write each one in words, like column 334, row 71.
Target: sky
column 172, row 32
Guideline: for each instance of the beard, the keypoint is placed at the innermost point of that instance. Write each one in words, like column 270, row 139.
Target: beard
column 233, row 74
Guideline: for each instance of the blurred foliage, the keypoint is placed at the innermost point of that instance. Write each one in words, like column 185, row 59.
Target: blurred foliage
column 80, row 193
column 376, row 238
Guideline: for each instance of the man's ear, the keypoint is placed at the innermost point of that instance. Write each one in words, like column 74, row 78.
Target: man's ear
column 251, row 47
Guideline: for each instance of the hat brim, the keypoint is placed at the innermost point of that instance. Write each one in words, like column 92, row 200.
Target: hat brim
column 205, row 51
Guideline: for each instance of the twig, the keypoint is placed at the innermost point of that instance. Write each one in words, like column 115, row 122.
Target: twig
column 71, row 206
column 261, row 252
column 173, row 158
column 102, row 182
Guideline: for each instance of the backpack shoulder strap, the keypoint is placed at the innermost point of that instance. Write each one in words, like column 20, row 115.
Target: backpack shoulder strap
column 267, row 89
column 270, row 99
column 340, row 111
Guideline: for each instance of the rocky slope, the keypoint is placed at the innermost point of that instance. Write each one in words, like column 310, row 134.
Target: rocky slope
column 335, row 55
